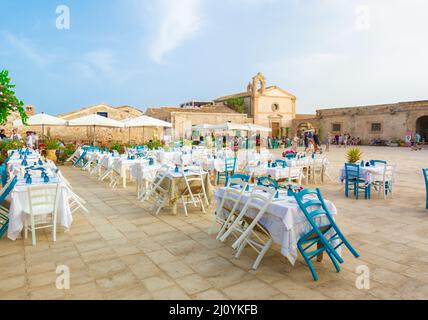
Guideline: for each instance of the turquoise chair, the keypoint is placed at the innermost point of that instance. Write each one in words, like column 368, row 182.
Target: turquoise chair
column 267, row 182
column 230, row 166
column 373, row 162
column 242, row 177
column 3, row 174
column 327, row 237
column 281, row 163
column 80, row 162
column 4, row 219
column 8, row 158
column 425, row 171
column 353, row 182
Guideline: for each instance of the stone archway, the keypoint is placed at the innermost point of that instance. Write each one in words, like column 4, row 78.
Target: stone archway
column 422, row 127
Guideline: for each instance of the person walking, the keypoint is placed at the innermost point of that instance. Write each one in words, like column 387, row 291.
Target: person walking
column 317, row 142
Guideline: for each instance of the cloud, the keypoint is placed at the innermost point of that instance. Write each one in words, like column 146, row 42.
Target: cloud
column 96, row 63
column 176, row 22
column 26, row 48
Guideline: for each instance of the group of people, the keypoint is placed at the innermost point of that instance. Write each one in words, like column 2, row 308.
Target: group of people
column 344, row 140
column 31, row 138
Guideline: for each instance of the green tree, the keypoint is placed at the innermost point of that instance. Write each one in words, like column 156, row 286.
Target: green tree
column 8, row 101
column 236, row 104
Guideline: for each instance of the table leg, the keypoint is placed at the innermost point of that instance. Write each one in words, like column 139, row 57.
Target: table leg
column 321, row 255
column 124, row 178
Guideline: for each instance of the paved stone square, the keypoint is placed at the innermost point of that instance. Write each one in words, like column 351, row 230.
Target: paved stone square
column 121, row 251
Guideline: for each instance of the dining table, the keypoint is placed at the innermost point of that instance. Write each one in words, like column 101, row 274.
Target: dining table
column 283, row 219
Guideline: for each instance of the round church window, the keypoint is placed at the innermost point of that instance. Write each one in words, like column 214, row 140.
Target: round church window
column 275, row 107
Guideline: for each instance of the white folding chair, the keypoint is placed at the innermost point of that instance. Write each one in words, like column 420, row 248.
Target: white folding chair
column 316, row 170
column 228, row 205
column 42, row 210
column 74, row 157
column 157, row 191
column 195, row 188
column 384, row 182
column 91, row 160
column 251, row 231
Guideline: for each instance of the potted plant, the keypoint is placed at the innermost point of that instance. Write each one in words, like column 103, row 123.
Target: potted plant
column 353, row 155
column 51, row 146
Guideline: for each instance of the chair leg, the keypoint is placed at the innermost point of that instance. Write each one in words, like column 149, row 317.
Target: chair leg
column 309, row 263
column 241, row 248
column 262, row 254
column 26, row 228
column 33, row 232
column 202, row 204
column 184, row 205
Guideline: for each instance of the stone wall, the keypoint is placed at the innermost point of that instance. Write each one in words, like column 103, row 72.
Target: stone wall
column 183, row 122
column 394, row 119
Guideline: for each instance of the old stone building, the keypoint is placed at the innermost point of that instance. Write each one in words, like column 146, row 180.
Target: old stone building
column 104, row 135
column 269, row 106
column 183, row 118
column 385, row 122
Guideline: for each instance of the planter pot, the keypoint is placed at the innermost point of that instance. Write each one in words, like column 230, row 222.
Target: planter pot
column 51, row 155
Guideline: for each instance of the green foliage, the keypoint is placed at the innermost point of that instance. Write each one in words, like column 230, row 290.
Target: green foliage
column 353, row 155
column 6, row 145
column 52, row 144
column 236, row 104
column 8, row 101
column 117, row 146
column 153, row 144
column 69, row 149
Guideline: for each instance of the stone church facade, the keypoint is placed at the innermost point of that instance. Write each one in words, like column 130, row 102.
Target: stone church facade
column 269, row 106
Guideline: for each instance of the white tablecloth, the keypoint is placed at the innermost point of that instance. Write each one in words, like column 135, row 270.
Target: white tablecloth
column 19, row 204
column 366, row 173
column 285, row 222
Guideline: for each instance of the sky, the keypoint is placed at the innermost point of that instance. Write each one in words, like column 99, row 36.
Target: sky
column 143, row 53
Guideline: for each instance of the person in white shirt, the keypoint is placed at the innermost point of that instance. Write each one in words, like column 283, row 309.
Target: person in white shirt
column 15, row 135
column 29, row 140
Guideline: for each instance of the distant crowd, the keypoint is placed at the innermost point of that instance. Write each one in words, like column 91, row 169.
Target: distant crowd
column 31, row 139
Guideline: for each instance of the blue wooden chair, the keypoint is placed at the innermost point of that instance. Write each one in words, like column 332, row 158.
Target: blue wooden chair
column 230, row 168
column 354, row 183
column 81, row 160
column 267, row 182
column 240, row 177
column 373, row 162
column 281, row 163
column 3, row 174
column 327, row 237
column 4, row 219
column 425, row 171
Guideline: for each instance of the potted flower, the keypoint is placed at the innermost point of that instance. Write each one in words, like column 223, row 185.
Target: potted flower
column 51, row 146
column 353, row 155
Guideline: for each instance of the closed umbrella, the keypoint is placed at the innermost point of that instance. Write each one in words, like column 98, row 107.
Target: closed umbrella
column 95, row 120
column 41, row 119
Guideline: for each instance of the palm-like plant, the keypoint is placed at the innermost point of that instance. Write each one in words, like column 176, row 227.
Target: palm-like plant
column 353, row 155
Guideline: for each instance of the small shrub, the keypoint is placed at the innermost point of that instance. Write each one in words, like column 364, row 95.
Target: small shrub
column 353, row 155
column 52, row 144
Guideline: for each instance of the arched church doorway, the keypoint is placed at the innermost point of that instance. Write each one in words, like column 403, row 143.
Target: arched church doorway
column 422, row 127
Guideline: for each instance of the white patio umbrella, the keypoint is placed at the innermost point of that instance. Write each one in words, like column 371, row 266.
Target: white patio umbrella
column 95, row 120
column 144, row 121
column 230, row 126
column 41, row 119
column 202, row 127
column 256, row 127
